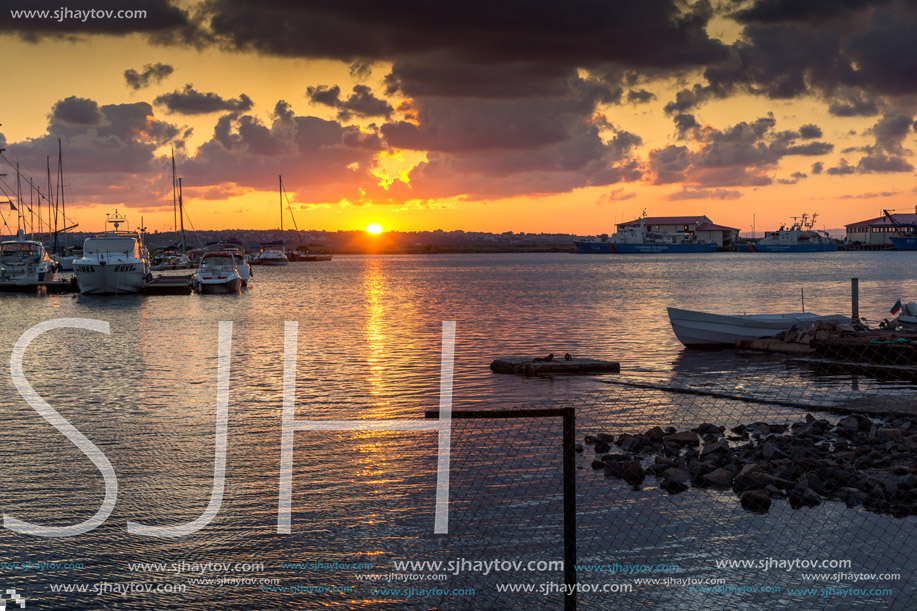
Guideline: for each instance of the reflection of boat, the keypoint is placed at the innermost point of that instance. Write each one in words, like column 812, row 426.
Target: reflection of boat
column 636, row 238
column 113, row 262
column 706, row 330
column 25, row 261
column 799, row 237
column 218, row 273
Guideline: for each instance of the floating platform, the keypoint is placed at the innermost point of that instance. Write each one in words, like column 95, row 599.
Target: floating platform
column 44, row 286
column 168, row 285
column 526, row 366
column 309, row 258
column 774, row 345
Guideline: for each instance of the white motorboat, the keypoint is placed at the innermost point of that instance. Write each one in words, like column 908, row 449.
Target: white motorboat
column 273, row 254
column 218, row 273
column 706, row 330
column 23, row 261
column 114, row 262
column 238, row 252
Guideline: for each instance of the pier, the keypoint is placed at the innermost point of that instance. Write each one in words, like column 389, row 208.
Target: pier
column 168, row 285
column 46, row 286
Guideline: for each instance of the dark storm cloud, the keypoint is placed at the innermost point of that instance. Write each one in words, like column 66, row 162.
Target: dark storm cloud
column 152, row 74
column 685, row 123
column 890, row 132
column 71, row 18
column 361, row 103
column 814, row 11
column 189, row 101
column 852, row 103
column 659, row 33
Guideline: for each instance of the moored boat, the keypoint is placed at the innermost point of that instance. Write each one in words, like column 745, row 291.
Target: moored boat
column 238, row 252
column 218, row 273
column 801, row 236
column 114, row 262
column 273, row 254
column 708, row 330
column 24, row 261
column 637, row 238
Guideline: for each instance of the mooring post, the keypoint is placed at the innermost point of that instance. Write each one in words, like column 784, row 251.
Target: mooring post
column 569, row 451
column 854, row 298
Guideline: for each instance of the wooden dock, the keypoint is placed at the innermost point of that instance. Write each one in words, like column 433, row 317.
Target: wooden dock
column 168, row 285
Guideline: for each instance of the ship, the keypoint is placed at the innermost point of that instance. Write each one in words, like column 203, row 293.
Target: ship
column 636, row 237
column 801, row 236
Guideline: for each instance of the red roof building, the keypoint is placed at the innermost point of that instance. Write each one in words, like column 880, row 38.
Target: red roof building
column 701, row 226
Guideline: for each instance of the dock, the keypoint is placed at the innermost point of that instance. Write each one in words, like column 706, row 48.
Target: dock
column 168, row 285
column 43, row 286
column 527, row 366
column 309, row 258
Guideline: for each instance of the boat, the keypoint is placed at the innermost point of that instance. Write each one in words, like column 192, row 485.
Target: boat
column 238, row 252
column 114, row 262
column 707, row 330
column 801, row 236
column 218, row 273
column 637, row 239
column 273, row 253
column 23, row 261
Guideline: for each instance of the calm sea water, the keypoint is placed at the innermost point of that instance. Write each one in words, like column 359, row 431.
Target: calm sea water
column 369, row 347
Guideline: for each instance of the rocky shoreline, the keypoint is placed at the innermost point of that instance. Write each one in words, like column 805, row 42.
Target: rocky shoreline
column 858, row 461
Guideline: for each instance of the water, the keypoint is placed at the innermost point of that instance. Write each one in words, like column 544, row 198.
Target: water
column 369, row 347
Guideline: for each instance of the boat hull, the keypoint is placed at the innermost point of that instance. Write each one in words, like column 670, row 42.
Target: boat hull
column 788, row 247
column 110, row 279
column 705, row 330
column 219, row 287
column 909, row 243
column 609, row 248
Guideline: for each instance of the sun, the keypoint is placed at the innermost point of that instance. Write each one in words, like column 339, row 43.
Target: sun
column 374, row 228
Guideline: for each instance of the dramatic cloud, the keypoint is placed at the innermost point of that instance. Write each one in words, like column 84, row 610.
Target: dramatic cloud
column 192, row 102
column 744, row 154
column 152, row 74
column 361, row 103
column 640, row 96
column 615, row 195
column 723, row 194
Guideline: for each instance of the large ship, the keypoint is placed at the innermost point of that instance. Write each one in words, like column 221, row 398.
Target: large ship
column 637, row 238
column 801, row 236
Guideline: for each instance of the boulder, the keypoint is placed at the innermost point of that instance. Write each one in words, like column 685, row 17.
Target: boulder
column 685, row 438
column 756, row 500
column 719, row 477
column 717, row 446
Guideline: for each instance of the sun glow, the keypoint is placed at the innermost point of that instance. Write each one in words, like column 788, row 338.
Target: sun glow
column 374, row 228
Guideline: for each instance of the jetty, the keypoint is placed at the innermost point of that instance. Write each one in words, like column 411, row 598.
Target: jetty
column 168, row 285
column 527, row 366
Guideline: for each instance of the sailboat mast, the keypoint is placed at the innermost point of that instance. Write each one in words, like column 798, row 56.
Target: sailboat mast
column 181, row 217
column 60, row 169
column 280, row 193
column 18, row 198
column 174, row 202
column 48, row 159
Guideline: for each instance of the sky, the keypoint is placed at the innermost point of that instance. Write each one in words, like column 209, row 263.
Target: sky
column 504, row 115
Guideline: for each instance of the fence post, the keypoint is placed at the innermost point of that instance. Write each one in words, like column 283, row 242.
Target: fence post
column 854, row 298
column 569, row 444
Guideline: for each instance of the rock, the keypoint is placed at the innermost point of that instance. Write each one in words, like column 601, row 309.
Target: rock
column 664, row 460
column 676, row 475
column 598, row 464
column 630, row 472
column 803, row 496
column 849, row 423
column 602, row 447
column 673, row 487
column 655, row 434
column 769, row 450
column 720, row 477
column 851, row 496
column 606, row 437
column 890, row 433
column 756, row 500
column 685, row 438
column 717, row 446
column 710, row 429
column 578, row 447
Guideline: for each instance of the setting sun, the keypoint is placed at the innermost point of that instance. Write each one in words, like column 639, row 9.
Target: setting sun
column 374, row 228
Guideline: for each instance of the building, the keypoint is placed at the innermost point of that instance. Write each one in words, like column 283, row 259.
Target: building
column 880, row 230
column 700, row 226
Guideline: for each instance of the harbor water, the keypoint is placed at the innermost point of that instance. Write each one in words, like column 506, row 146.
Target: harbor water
column 369, row 348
